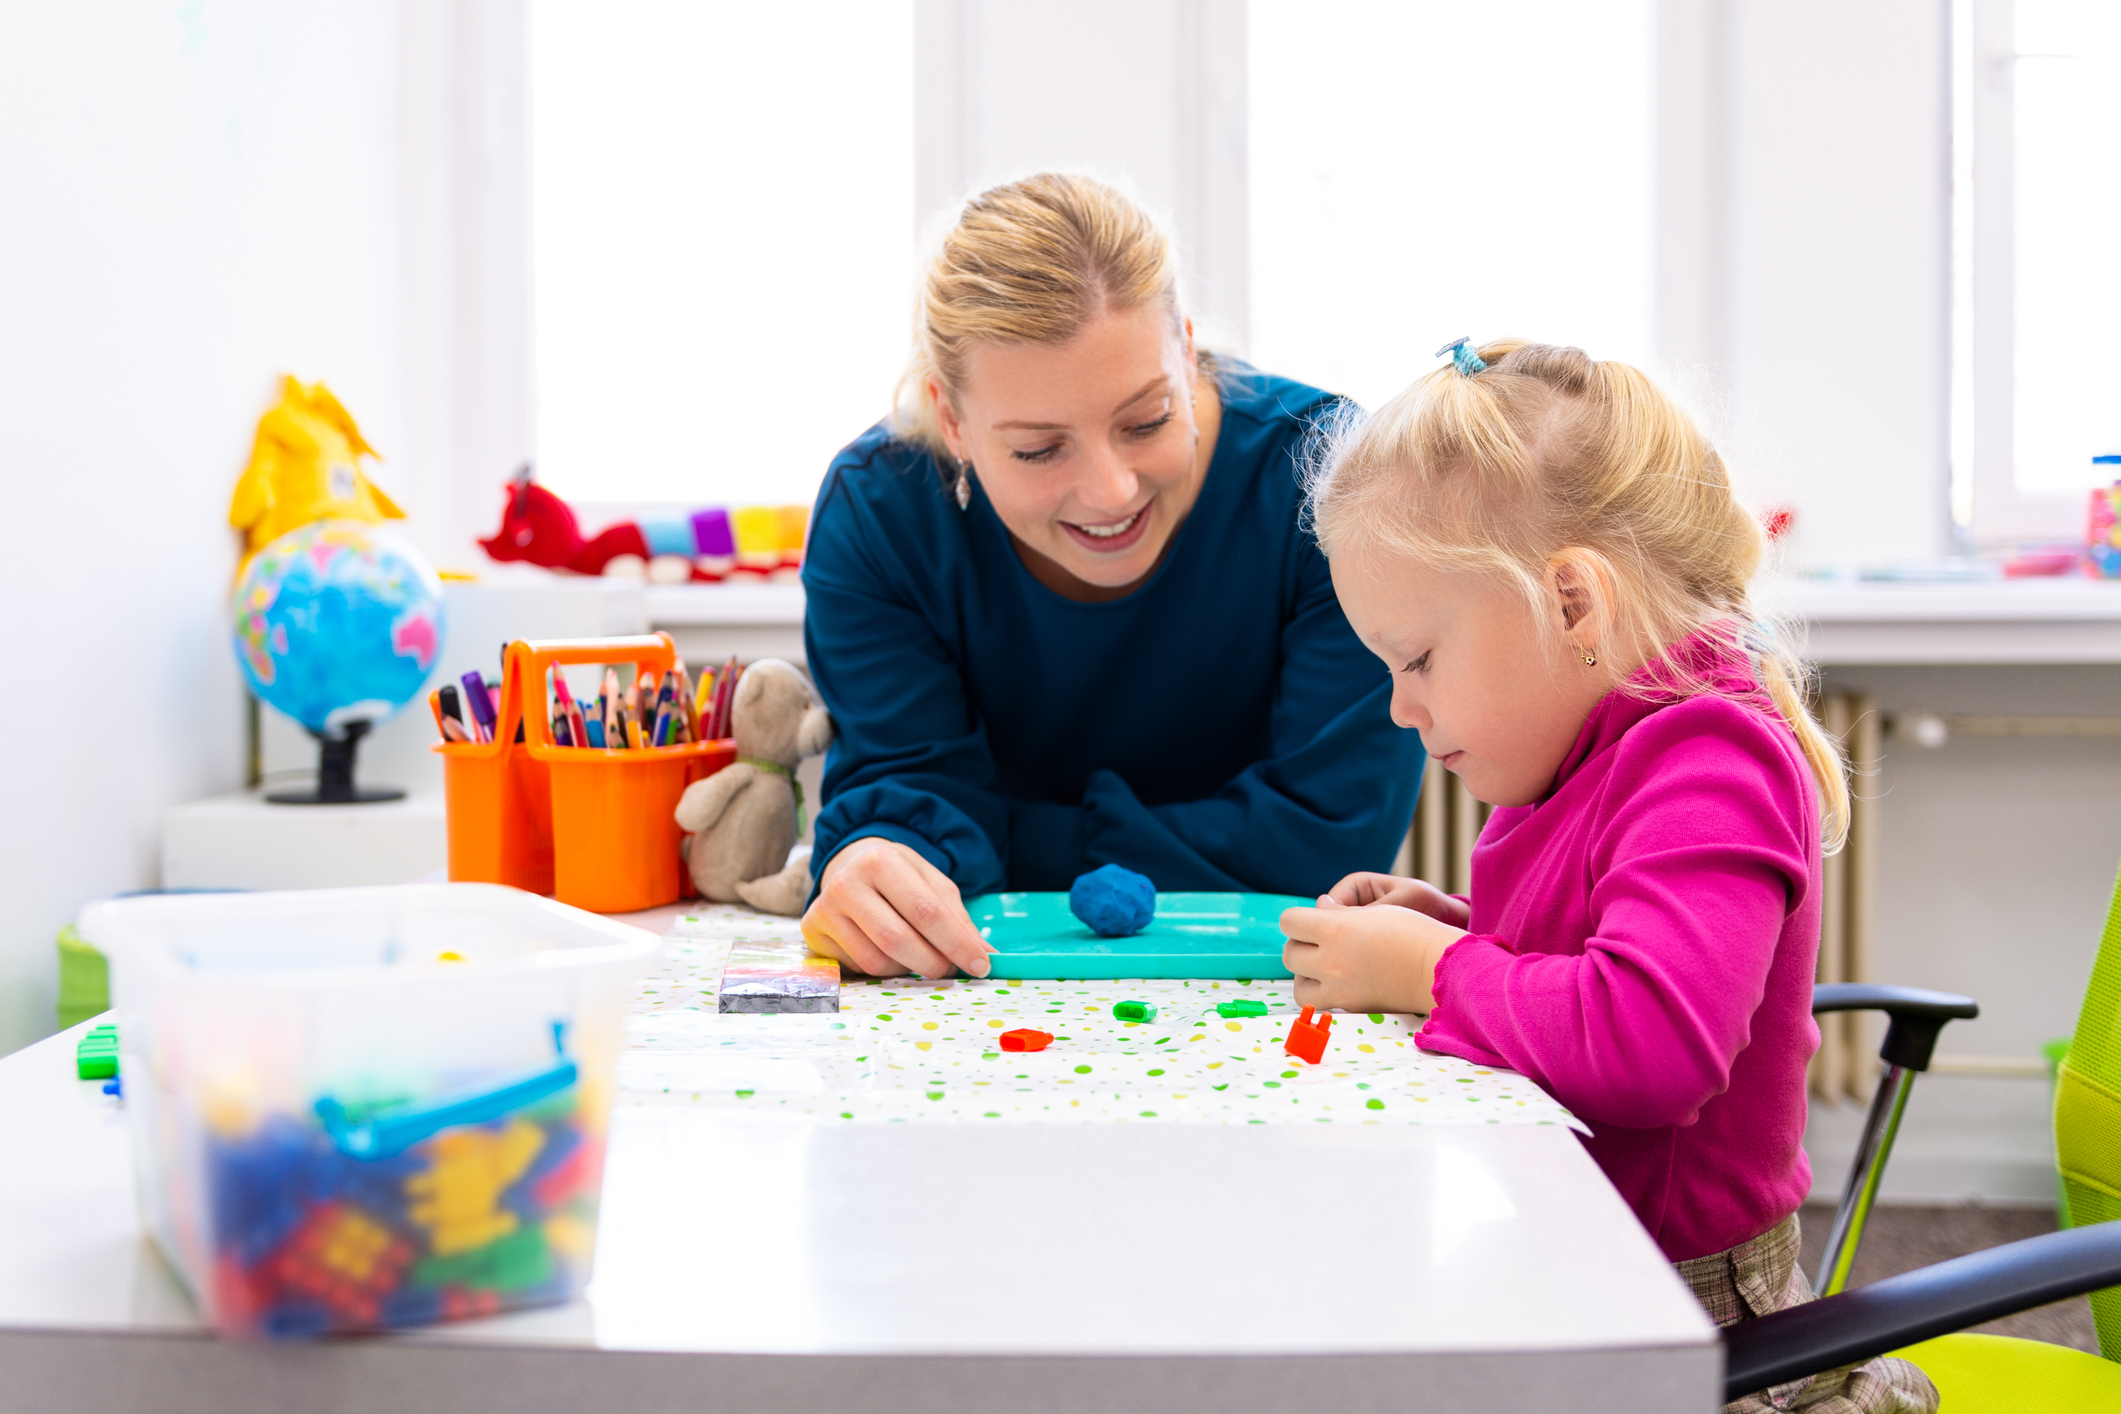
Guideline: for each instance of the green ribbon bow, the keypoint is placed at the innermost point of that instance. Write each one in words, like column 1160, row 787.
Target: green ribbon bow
column 761, row 763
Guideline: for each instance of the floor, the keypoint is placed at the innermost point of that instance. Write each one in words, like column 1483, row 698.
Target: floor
column 1901, row 1239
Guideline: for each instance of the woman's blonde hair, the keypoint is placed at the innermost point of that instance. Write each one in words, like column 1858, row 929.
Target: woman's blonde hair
column 1547, row 449
column 1029, row 262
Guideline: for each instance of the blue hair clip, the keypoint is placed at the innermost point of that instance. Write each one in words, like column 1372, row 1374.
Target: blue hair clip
column 1461, row 352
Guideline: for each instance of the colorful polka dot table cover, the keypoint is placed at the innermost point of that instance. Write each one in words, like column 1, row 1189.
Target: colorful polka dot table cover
column 905, row 1050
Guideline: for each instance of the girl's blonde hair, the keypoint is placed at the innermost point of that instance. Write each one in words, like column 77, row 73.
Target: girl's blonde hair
column 1547, row 449
column 1029, row 262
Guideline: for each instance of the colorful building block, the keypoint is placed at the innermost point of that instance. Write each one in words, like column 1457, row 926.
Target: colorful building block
column 345, row 1259
column 512, row 1263
column 263, row 1185
column 576, row 1172
column 457, row 1198
column 1025, row 1039
column 96, row 1055
column 1135, row 1011
column 1307, row 1039
column 1237, row 1009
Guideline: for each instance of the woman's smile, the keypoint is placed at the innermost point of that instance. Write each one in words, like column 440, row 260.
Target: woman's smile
column 1109, row 537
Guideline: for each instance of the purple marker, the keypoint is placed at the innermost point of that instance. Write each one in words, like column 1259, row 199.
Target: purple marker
column 481, row 705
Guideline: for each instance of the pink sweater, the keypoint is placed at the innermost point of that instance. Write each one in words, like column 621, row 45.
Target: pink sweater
column 1642, row 946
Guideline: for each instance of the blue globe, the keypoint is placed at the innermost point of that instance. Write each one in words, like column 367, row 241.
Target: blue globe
column 338, row 621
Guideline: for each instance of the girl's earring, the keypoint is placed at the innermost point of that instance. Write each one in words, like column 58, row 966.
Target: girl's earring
column 964, row 483
column 1590, row 659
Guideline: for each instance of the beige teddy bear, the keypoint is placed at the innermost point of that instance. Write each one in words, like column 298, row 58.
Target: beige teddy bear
column 741, row 821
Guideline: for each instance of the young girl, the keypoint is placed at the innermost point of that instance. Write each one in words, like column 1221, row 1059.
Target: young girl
column 1546, row 554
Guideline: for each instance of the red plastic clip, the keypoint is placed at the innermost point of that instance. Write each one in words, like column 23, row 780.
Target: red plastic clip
column 1307, row 1038
column 1025, row 1039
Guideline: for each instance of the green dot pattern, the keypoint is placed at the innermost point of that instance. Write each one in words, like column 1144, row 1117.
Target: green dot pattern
column 927, row 1052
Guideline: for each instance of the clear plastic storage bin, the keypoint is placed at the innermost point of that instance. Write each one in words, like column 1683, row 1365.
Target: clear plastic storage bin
column 357, row 1109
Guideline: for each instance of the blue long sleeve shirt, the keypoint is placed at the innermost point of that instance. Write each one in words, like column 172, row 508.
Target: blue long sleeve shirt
column 1219, row 728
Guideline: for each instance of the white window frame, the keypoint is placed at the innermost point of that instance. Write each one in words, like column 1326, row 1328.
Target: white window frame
column 1988, row 509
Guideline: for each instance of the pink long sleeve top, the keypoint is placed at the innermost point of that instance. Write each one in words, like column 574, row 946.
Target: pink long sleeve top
column 1642, row 945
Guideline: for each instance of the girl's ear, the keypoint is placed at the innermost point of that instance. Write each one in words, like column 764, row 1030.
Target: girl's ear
column 1581, row 584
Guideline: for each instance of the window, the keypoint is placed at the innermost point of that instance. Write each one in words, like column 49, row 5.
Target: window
column 1422, row 170
column 2037, row 287
column 722, row 209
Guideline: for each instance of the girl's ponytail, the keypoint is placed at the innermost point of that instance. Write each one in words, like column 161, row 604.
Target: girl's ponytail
column 1784, row 678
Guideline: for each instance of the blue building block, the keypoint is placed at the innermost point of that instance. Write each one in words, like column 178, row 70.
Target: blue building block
column 1113, row 901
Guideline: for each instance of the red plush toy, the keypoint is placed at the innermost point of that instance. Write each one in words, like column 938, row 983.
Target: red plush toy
column 540, row 528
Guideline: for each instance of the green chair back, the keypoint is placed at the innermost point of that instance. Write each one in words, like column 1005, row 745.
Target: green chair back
column 2088, row 1113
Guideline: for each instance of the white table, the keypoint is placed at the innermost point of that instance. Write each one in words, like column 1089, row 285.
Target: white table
column 760, row 1264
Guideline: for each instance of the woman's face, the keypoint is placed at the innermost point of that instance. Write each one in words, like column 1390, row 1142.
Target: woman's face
column 1090, row 451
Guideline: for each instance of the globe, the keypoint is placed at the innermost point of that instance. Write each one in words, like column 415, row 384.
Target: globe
column 338, row 622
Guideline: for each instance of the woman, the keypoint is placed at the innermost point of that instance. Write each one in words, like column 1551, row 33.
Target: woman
column 1063, row 611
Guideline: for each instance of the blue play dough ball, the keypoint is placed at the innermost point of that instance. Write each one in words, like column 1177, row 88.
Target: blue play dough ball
column 1113, row 901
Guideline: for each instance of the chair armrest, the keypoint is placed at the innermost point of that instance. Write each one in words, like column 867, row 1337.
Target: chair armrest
column 1929, row 1301
column 1918, row 1015
column 1893, row 1001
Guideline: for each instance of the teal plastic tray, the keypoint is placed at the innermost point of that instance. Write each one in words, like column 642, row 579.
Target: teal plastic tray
column 1192, row 935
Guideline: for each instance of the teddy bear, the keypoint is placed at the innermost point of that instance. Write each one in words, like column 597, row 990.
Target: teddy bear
column 742, row 821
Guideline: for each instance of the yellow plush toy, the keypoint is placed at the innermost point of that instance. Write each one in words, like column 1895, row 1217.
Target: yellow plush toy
column 305, row 466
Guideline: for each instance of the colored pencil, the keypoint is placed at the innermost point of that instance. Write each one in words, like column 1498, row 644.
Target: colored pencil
column 577, row 729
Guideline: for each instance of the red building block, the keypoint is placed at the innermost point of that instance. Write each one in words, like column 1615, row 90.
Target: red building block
column 344, row 1258
column 1025, row 1039
column 1307, row 1038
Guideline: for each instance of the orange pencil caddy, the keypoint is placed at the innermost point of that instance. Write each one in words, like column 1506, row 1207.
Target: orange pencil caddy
column 591, row 826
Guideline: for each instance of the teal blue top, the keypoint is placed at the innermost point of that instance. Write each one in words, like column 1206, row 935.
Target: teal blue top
column 1219, row 728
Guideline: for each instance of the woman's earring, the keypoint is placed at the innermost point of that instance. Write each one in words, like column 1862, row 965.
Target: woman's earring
column 964, row 483
column 1590, row 659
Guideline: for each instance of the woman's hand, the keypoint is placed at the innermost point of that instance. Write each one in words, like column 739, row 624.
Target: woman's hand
column 1361, row 890
column 885, row 911
column 1379, row 957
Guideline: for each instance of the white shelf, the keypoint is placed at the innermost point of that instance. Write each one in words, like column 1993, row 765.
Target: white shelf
column 2070, row 620
column 242, row 841
column 2024, row 621
column 754, row 603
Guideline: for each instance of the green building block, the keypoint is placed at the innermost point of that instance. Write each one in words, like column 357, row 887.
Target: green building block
column 84, row 979
column 96, row 1057
column 511, row 1263
column 1242, row 1009
column 1135, row 1011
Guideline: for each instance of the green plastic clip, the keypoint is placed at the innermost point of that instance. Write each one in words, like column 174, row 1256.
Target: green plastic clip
column 1135, row 1011
column 1242, row 1009
column 96, row 1057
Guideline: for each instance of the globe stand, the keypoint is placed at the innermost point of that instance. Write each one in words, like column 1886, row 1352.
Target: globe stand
column 335, row 784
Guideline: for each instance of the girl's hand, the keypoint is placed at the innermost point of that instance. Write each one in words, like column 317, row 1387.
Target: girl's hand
column 1376, row 958
column 885, row 911
column 1361, row 890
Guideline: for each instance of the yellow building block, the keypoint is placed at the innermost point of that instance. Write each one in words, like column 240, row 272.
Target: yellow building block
column 457, row 1199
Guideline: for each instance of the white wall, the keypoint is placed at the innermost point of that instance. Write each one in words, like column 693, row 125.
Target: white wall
column 199, row 197
column 1804, row 254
